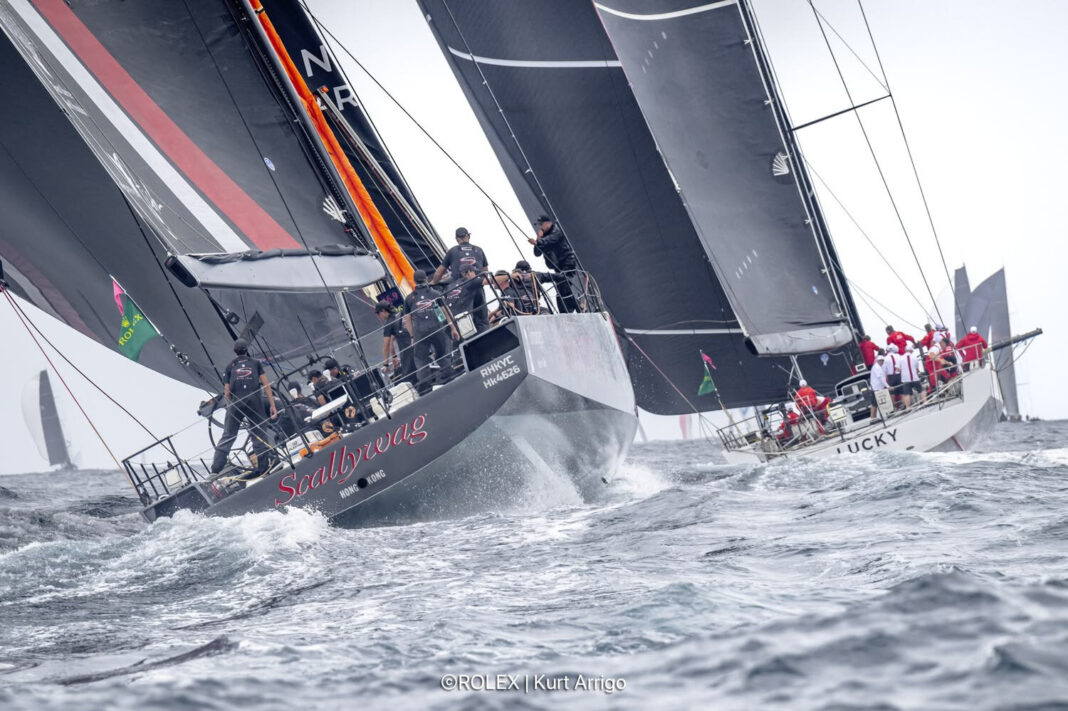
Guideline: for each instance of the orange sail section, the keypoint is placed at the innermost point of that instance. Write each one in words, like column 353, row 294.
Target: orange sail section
column 395, row 259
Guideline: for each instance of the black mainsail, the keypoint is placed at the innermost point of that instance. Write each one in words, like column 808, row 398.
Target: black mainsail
column 109, row 165
column 552, row 96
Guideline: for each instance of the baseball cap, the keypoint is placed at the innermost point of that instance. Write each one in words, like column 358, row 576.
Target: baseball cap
column 419, row 276
column 462, row 232
column 973, row 329
column 522, row 266
column 880, row 356
column 542, row 218
column 803, row 383
column 240, row 345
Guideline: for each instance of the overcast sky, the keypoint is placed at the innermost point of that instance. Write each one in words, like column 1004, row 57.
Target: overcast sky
column 977, row 83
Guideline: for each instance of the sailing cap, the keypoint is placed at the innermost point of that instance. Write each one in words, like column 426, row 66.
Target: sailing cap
column 973, row 329
column 462, row 232
column 880, row 356
column 891, row 348
column 933, row 351
column 542, row 218
column 522, row 266
column 803, row 383
column 419, row 276
column 240, row 345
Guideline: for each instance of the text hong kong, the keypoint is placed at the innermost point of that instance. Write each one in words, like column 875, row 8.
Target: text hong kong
column 344, row 462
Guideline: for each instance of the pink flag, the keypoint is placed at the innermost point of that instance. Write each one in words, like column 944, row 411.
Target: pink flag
column 708, row 360
column 119, row 293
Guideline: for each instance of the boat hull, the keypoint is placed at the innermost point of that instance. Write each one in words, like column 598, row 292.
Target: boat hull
column 555, row 410
column 952, row 425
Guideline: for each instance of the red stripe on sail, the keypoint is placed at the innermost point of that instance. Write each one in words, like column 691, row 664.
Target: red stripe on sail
column 227, row 195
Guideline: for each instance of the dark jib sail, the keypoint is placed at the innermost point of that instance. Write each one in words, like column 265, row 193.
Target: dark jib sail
column 131, row 131
column 546, row 74
column 42, row 419
column 695, row 70
column 377, row 170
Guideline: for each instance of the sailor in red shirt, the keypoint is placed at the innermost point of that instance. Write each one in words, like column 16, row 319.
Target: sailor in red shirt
column 868, row 350
column 811, row 404
column 898, row 338
column 788, row 428
column 971, row 347
column 928, row 340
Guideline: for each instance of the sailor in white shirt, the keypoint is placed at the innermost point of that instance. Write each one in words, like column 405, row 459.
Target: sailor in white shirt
column 877, row 382
column 911, row 369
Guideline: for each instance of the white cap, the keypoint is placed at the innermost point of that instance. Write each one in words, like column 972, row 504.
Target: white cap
column 802, row 384
column 933, row 351
column 891, row 348
column 880, row 356
column 940, row 327
column 973, row 329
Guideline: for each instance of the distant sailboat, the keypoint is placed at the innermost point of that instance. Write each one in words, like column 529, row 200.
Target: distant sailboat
column 987, row 308
column 43, row 421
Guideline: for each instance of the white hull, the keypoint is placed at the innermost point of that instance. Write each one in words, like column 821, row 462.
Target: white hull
column 953, row 424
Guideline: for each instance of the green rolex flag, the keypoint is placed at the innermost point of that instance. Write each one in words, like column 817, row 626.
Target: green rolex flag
column 134, row 330
column 707, row 386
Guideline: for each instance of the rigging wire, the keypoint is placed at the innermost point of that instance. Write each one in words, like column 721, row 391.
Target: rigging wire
column 875, row 158
column 23, row 315
column 396, row 102
column 912, row 162
column 70, row 392
column 865, row 235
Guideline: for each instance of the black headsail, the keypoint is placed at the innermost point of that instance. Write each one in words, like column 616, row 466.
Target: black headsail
column 134, row 130
column 703, row 85
column 554, row 101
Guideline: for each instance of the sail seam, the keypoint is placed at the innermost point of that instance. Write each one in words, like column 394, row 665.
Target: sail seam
column 684, row 332
column 538, row 63
column 667, row 15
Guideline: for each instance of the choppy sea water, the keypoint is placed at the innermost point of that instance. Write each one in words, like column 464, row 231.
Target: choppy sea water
column 911, row 581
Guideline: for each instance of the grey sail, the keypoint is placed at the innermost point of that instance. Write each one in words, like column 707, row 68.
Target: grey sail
column 552, row 97
column 987, row 308
column 696, row 71
column 42, row 419
column 962, row 291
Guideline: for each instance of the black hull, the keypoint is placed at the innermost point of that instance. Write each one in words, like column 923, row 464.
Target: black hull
column 540, row 414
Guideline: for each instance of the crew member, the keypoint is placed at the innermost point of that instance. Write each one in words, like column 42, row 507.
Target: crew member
column 898, row 338
column 877, row 382
column 461, row 293
column 526, row 283
column 811, row 403
column 928, row 339
column 952, row 361
column 788, row 427
column 553, row 245
column 397, row 353
column 868, row 350
column 463, row 253
column 911, row 376
column 319, row 386
column 972, row 347
column 425, row 320
column 892, row 366
column 245, row 384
